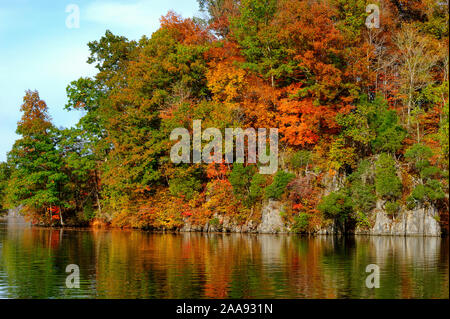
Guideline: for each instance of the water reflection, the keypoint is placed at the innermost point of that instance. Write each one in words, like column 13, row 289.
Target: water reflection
column 133, row 264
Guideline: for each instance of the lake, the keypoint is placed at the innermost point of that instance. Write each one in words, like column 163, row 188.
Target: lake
column 137, row 264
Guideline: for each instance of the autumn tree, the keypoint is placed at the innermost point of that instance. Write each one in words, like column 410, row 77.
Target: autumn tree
column 219, row 13
column 37, row 181
column 416, row 57
column 168, row 71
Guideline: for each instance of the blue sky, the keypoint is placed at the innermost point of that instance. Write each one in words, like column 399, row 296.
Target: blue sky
column 38, row 51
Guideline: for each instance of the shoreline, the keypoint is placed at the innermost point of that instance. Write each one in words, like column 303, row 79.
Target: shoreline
column 315, row 235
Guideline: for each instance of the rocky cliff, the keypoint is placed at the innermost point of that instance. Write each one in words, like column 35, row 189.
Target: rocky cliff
column 418, row 222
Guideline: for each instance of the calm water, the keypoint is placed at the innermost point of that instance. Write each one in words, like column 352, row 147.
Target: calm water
column 133, row 264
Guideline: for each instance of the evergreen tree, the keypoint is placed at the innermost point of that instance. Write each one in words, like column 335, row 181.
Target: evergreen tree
column 37, row 180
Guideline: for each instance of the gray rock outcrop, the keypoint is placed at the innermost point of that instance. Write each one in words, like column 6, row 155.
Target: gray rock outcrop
column 271, row 221
column 417, row 222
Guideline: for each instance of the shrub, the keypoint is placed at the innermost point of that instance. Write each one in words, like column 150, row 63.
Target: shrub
column 336, row 205
column 214, row 222
column 387, row 183
column 362, row 189
column 419, row 154
column 184, row 186
column 434, row 190
column 278, row 186
column 248, row 186
column 363, row 173
column 256, row 190
column 240, row 178
column 363, row 197
column 301, row 223
column 418, row 193
column 362, row 220
column 431, row 190
column 392, row 208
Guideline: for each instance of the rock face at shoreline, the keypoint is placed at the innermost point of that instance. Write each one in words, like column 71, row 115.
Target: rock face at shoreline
column 271, row 221
column 417, row 222
column 421, row 221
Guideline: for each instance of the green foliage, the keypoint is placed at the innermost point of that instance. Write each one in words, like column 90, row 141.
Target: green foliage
column 341, row 155
column 362, row 189
column 84, row 93
column 214, row 222
column 371, row 122
column 300, row 159
column 38, row 179
column 392, row 208
column 5, row 174
column 362, row 173
column 278, row 186
column 444, row 131
column 337, row 205
column 389, row 133
column 419, row 155
column 80, row 165
column 301, row 223
column 362, row 220
column 88, row 95
column 357, row 124
column 418, row 193
column 256, row 190
column 88, row 209
column 248, row 185
column 240, row 178
column 387, row 183
column 352, row 16
column 186, row 186
column 258, row 39
column 436, row 23
column 429, row 189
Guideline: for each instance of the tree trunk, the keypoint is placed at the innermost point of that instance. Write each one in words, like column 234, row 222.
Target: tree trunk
column 97, row 190
column 409, row 108
column 418, row 131
column 61, row 217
